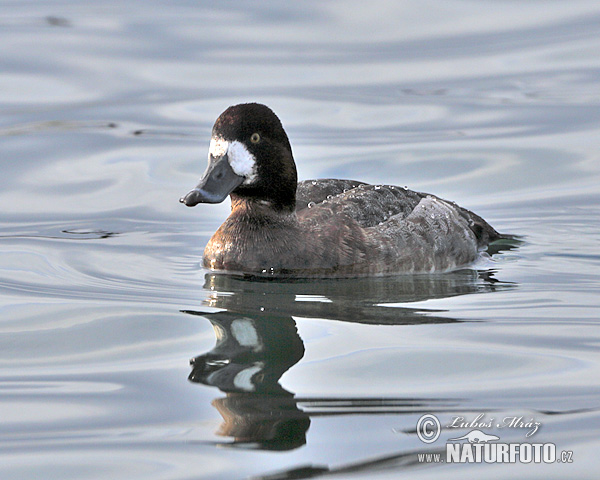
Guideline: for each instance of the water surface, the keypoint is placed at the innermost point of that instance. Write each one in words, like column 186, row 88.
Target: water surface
column 106, row 110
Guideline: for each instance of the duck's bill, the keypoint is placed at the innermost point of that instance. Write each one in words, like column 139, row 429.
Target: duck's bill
column 218, row 181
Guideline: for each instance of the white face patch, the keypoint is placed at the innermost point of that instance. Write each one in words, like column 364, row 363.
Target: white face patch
column 242, row 162
column 218, row 147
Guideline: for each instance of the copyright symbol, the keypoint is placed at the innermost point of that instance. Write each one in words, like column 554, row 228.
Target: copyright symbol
column 428, row 428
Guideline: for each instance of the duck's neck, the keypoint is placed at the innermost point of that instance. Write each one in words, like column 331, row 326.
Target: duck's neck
column 261, row 207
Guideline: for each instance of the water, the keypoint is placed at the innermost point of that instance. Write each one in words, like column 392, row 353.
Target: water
column 105, row 121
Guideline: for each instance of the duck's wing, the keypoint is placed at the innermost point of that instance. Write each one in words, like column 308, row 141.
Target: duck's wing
column 374, row 205
column 368, row 205
column 316, row 191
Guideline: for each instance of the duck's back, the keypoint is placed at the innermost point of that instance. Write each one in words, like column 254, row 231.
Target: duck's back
column 407, row 230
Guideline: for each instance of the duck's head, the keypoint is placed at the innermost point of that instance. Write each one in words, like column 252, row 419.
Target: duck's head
column 250, row 157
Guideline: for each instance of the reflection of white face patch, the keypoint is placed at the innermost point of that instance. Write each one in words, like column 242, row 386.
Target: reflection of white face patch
column 243, row 380
column 241, row 160
column 245, row 333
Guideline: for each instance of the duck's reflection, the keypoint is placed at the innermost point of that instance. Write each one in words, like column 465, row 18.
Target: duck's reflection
column 251, row 354
column 379, row 300
column 257, row 341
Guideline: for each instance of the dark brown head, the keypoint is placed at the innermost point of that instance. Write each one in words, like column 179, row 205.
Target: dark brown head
column 250, row 157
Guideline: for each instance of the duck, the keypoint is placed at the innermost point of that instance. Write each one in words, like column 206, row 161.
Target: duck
column 279, row 227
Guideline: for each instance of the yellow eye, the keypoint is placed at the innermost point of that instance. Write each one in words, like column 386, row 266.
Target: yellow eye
column 255, row 138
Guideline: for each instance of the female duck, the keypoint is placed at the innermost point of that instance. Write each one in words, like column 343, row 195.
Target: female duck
column 324, row 228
